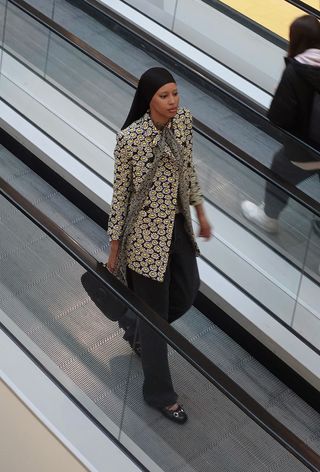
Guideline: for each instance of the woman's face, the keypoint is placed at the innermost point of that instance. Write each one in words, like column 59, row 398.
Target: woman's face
column 164, row 104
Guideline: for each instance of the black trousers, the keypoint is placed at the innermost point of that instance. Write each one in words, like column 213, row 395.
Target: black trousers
column 275, row 199
column 170, row 299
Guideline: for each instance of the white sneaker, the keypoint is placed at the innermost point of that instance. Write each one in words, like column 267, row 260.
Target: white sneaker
column 257, row 215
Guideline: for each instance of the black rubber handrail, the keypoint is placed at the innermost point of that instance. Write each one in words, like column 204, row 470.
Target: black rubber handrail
column 256, row 27
column 305, row 7
column 185, row 62
column 202, row 129
column 178, row 58
column 247, row 22
column 257, row 167
column 196, row 358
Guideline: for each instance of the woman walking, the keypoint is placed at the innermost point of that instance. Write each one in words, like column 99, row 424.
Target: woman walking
column 296, row 108
column 153, row 248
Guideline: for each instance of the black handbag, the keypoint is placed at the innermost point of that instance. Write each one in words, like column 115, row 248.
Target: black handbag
column 104, row 299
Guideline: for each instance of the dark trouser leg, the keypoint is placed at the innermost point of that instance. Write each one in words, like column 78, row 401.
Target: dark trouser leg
column 172, row 297
column 184, row 280
column 275, row 199
column 157, row 387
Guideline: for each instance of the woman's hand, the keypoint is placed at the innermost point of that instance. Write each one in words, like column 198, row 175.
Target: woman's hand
column 205, row 228
column 113, row 255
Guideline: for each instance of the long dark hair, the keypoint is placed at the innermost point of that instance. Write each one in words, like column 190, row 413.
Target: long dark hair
column 304, row 34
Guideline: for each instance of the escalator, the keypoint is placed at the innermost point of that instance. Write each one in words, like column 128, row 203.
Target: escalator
column 241, row 416
column 68, row 87
column 85, row 94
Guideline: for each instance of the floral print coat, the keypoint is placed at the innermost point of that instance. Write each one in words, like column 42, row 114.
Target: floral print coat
column 150, row 239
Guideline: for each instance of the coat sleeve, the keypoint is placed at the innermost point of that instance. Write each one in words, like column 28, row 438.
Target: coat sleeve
column 121, row 189
column 284, row 109
column 194, row 187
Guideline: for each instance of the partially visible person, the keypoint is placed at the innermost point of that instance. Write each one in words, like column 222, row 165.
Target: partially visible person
column 295, row 108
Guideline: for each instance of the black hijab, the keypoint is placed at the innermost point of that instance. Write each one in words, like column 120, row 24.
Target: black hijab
column 149, row 83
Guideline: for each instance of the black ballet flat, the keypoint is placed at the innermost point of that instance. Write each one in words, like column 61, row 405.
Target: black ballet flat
column 178, row 416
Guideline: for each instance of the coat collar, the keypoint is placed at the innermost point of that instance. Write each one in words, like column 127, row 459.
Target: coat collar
column 149, row 129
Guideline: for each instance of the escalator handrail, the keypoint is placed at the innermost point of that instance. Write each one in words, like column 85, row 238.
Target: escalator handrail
column 201, row 73
column 177, row 57
column 196, row 358
column 224, row 144
column 257, row 167
column 256, row 27
column 248, row 22
column 308, row 9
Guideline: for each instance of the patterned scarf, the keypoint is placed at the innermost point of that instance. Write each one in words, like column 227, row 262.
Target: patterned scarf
column 137, row 199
